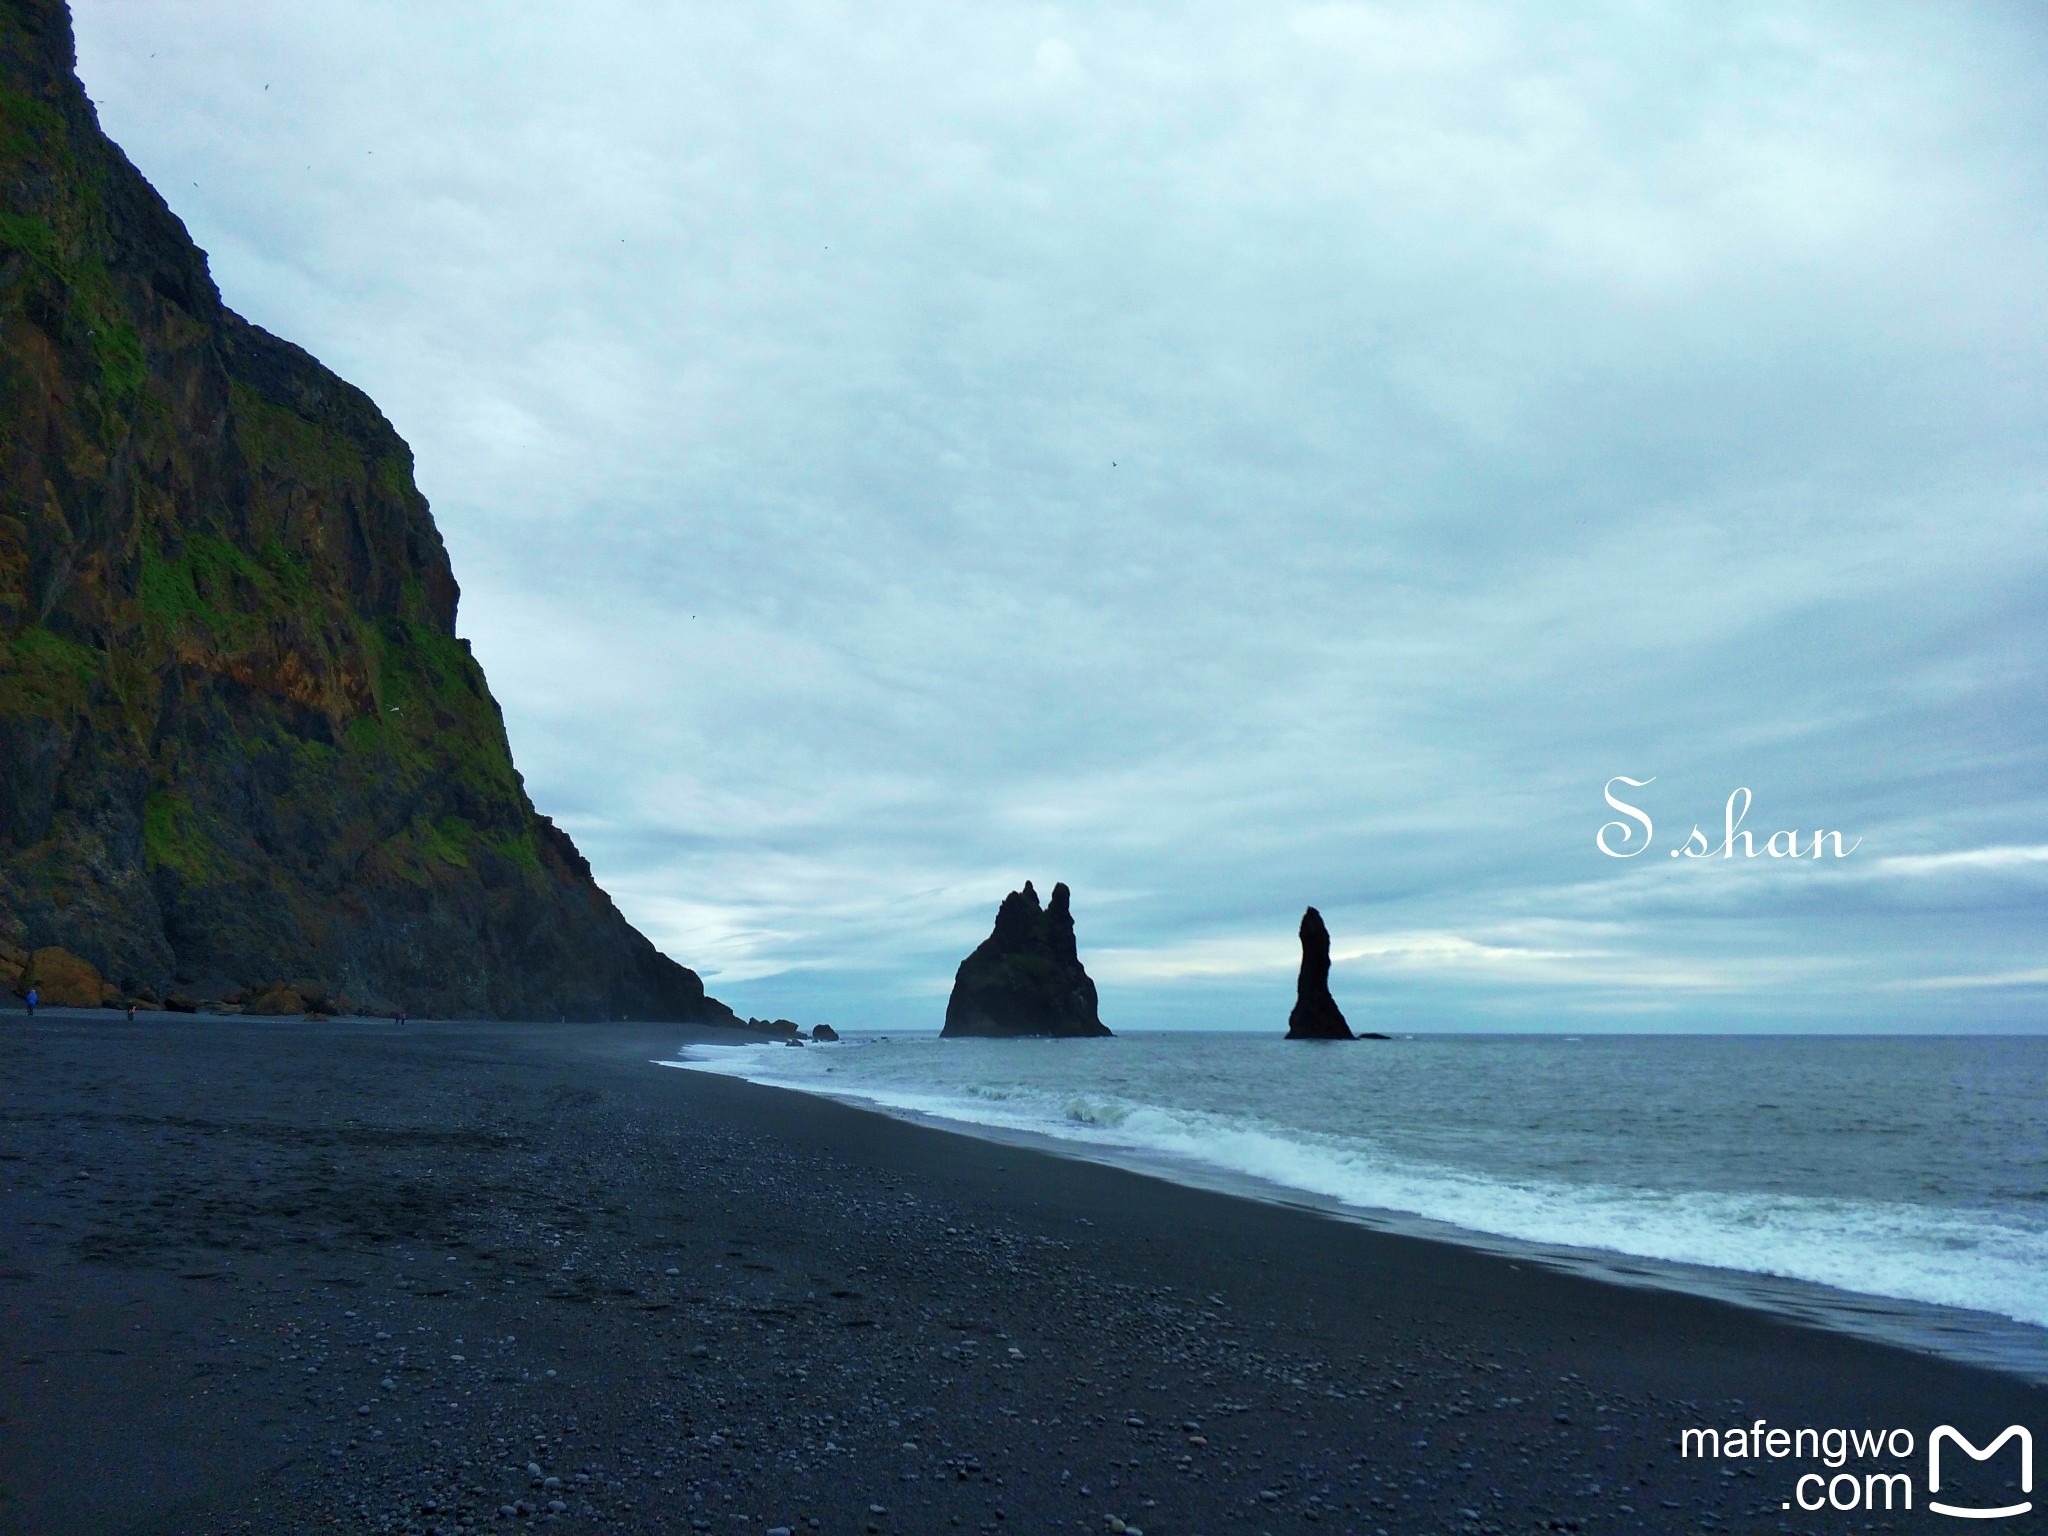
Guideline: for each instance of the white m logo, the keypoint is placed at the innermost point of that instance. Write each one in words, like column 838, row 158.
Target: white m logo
column 1946, row 1432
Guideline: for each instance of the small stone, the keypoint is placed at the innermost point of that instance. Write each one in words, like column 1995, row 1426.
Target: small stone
column 533, row 1469
column 1135, row 1422
column 877, row 1509
column 556, row 1506
column 551, row 1483
column 506, row 1511
column 778, row 1530
column 671, row 1270
column 388, row 1384
column 364, row 1409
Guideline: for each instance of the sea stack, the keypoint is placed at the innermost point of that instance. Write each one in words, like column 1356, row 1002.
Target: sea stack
column 1026, row 977
column 1316, row 1015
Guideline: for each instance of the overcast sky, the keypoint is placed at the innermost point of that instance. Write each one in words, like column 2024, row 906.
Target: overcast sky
column 1225, row 457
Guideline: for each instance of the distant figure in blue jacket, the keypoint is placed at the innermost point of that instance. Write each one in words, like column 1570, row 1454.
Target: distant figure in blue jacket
column 32, row 1001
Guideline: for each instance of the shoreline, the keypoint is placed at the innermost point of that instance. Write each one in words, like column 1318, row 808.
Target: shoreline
column 1965, row 1335
column 282, row 1276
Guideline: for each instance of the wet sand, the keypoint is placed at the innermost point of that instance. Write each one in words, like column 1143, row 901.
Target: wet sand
column 279, row 1276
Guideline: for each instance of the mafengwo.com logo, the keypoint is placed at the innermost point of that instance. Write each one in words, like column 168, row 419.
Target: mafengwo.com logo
column 1862, row 1470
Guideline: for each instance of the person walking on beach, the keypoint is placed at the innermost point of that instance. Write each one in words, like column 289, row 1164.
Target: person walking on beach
column 32, row 1002
column 131, row 1013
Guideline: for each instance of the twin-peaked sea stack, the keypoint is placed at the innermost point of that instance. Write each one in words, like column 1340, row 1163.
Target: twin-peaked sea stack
column 1316, row 1015
column 1026, row 977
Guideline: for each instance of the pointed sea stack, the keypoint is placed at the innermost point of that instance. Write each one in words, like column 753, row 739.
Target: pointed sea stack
column 1315, row 1016
column 1026, row 977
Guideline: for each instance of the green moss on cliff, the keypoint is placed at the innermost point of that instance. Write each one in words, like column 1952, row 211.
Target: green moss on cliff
column 44, row 674
column 29, row 126
column 426, row 848
column 517, row 849
column 394, row 476
column 94, row 304
column 36, row 239
column 281, row 443
column 213, row 585
column 448, row 838
column 115, row 342
column 209, row 583
column 174, row 837
column 290, row 578
column 437, row 708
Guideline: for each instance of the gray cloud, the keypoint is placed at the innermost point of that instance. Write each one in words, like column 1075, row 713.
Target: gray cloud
column 1222, row 456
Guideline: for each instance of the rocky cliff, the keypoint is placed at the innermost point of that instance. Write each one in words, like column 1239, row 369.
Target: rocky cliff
column 241, row 744
column 1316, row 1015
column 1026, row 977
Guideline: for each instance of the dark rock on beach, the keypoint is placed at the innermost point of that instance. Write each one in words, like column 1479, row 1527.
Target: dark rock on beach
column 1026, row 977
column 239, row 737
column 1316, row 1015
column 824, row 1032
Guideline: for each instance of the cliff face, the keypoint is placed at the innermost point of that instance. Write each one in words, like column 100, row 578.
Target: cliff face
column 1026, row 977
column 240, row 742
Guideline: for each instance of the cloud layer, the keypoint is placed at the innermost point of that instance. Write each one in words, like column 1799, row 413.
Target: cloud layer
column 1225, row 457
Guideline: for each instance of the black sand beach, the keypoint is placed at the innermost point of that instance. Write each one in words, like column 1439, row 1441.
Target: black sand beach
column 283, row 1276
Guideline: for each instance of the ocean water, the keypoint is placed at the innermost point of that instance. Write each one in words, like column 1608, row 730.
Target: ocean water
column 1896, row 1188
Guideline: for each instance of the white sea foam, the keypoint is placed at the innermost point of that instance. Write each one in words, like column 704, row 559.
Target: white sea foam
column 1951, row 1255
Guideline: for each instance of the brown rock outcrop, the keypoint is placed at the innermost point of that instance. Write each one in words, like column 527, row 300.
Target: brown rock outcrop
column 63, row 980
column 276, row 1002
